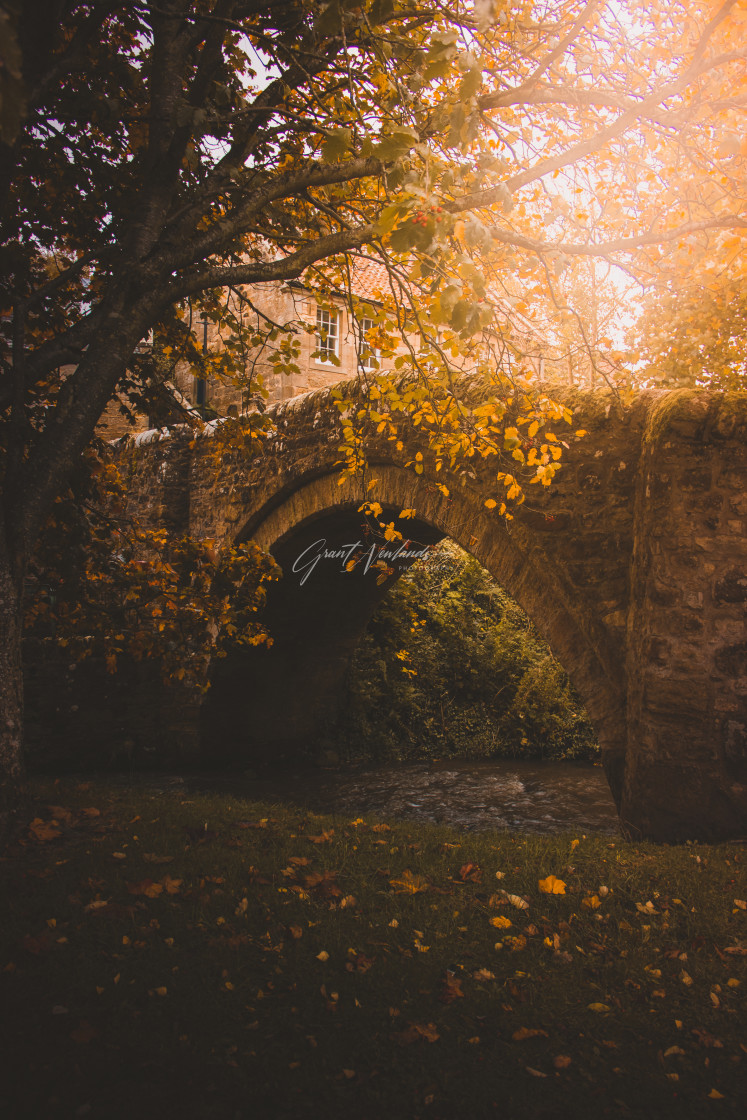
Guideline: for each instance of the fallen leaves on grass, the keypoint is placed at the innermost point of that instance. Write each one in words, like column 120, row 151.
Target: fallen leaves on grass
column 147, row 887
column 454, row 993
column 254, row 876
column 60, row 814
column 152, row 889
column 483, row 974
column 407, row 883
column 43, row 831
column 358, row 962
column 451, row 988
column 322, row 884
column 706, row 1039
column 515, row 900
column 552, row 885
column 417, row 1032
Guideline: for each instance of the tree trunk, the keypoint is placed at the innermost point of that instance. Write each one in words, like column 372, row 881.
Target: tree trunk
column 28, row 495
column 12, row 771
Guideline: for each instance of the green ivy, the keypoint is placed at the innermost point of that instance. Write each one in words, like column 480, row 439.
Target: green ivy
column 450, row 666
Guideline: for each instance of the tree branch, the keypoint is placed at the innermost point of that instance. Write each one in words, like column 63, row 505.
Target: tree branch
column 222, row 232
column 258, row 272
column 617, row 245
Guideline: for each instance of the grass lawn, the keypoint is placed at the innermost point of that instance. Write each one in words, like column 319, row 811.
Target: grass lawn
column 165, row 955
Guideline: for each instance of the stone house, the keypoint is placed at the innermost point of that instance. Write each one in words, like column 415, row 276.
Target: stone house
column 333, row 347
column 332, row 342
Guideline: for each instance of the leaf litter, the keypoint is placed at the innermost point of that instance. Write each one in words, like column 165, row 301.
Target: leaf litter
column 408, row 942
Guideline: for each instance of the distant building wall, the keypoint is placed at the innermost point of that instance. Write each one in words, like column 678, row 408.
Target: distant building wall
column 291, row 306
column 282, row 304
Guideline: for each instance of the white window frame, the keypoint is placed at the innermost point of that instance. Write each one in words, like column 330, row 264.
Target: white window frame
column 371, row 362
column 327, row 336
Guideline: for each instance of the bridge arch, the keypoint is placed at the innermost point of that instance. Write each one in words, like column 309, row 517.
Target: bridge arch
column 633, row 565
column 319, row 611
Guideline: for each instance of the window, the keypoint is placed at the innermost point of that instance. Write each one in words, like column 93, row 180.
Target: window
column 327, row 336
column 368, row 357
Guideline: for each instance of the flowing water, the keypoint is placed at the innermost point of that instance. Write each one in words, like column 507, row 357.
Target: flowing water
column 523, row 796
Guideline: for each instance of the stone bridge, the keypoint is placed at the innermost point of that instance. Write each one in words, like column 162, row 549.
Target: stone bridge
column 633, row 565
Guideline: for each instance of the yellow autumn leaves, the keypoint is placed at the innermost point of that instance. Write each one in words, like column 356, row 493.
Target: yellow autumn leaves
column 552, row 885
column 408, row 883
column 500, row 922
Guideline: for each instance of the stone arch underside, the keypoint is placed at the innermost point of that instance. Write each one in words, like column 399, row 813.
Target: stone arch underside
column 271, row 703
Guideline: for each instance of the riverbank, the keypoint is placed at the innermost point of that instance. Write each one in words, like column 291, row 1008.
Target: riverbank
column 172, row 953
column 492, row 795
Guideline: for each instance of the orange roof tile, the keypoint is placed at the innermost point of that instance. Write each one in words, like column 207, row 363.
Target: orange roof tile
column 370, row 279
